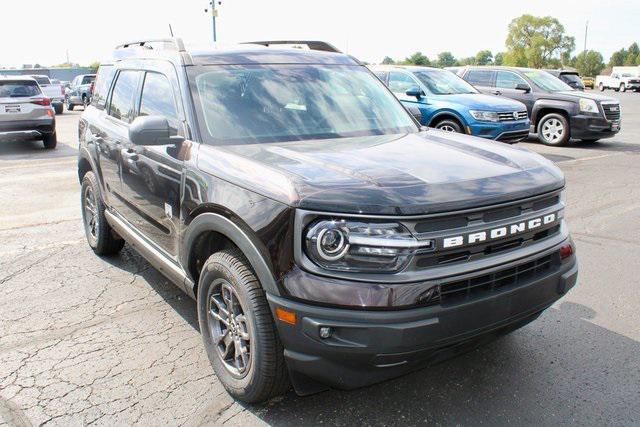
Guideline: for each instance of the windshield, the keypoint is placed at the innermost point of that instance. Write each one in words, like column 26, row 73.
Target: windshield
column 19, row 89
column 440, row 82
column 262, row 103
column 546, row 81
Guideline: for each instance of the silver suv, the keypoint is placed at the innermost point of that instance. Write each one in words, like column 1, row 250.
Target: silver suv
column 25, row 112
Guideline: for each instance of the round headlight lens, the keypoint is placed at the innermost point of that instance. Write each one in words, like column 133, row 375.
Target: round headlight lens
column 331, row 244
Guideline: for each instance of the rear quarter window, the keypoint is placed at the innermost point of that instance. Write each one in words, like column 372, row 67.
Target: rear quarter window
column 480, row 77
column 102, row 85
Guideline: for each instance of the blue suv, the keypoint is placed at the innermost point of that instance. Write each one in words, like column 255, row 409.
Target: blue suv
column 449, row 103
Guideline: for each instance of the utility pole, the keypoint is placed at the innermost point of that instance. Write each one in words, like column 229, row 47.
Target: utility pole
column 586, row 29
column 214, row 14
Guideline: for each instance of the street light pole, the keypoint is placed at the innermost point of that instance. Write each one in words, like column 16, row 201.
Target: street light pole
column 214, row 13
column 586, row 29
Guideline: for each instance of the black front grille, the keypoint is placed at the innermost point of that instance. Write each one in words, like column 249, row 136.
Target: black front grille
column 461, row 290
column 513, row 136
column 611, row 111
column 482, row 219
column 508, row 116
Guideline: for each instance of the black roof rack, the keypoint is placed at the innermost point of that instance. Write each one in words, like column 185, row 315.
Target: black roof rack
column 175, row 43
column 312, row 44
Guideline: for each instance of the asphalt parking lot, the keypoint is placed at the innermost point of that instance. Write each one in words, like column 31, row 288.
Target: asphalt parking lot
column 110, row 341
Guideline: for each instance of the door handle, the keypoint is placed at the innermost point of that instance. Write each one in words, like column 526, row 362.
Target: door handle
column 497, row 92
column 129, row 154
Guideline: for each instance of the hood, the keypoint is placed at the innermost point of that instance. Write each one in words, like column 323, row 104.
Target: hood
column 430, row 171
column 483, row 102
column 588, row 95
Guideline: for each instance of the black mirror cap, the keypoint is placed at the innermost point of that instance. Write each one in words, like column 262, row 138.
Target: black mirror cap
column 415, row 91
column 523, row 87
column 152, row 130
column 415, row 112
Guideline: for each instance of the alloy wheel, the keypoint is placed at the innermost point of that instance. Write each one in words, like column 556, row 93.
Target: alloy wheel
column 447, row 128
column 553, row 130
column 90, row 212
column 229, row 328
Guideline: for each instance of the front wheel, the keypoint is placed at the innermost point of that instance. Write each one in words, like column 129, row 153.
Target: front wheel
column 238, row 330
column 601, row 87
column 553, row 129
column 623, row 87
column 100, row 236
column 449, row 125
column 68, row 104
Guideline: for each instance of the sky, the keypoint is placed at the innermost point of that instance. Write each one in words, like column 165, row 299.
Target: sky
column 43, row 31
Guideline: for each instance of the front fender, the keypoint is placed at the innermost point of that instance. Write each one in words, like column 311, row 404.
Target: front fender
column 447, row 112
column 215, row 222
column 543, row 104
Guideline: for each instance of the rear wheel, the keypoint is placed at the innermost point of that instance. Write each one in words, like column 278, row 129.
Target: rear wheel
column 238, row 330
column 553, row 129
column 449, row 125
column 623, row 87
column 601, row 87
column 85, row 101
column 50, row 141
column 68, row 104
column 100, row 236
column 58, row 108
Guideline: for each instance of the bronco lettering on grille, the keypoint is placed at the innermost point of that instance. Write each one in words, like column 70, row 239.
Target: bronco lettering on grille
column 499, row 232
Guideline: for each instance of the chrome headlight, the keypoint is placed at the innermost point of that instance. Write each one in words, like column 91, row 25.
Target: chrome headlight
column 484, row 116
column 588, row 106
column 359, row 246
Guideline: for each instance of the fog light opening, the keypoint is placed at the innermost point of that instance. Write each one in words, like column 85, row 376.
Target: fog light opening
column 325, row 332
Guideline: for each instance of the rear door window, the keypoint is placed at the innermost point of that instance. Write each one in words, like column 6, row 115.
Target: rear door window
column 88, row 80
column 157, row 99
column 480, row 77
column 103, row 83
column 508, row 80
column 42, row 80
column 19, row 89
column 123, row 94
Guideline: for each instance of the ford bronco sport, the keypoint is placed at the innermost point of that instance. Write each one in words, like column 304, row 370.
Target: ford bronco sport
column 328, row 239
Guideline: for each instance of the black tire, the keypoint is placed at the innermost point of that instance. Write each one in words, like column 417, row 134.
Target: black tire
column 601, row 87
column 85, row 101
column 100, row 236
column 58, row 108
column 549, row 132
column 263, row 375
column 50, row 141
column 623, row 87
column 449, row 125
column 69, row 105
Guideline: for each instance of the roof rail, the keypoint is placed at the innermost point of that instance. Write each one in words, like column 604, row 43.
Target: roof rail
column 175, row 43
column 311, row 44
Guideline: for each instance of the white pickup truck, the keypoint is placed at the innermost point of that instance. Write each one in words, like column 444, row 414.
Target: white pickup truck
column 621, row 79
column 55, row 92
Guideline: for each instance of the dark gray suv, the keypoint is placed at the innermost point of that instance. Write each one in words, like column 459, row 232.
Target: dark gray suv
column 557, row 111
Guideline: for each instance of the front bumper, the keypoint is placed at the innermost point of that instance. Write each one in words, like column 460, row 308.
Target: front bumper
column 369, row 346
column 501, row 131
column 37, row 127
column 593, row 127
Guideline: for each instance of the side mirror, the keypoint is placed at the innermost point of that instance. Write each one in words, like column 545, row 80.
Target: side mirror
column 523, row 87
column 415, row 112
column 152, row 130
column 414, row 91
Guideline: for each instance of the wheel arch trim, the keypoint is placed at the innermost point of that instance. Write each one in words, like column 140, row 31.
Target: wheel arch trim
column 448, row 113
column 213, row 222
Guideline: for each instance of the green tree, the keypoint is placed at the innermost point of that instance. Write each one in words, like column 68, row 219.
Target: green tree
column 388, row 60
column 484, row 57
column 533, row 41
column 417, row 59
column 467, row 61
column 617, row 58
column 589, row 63
column 446, row 59
column 94, row 65
column 633, row 49
column 499, row 58
column 631, row 59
